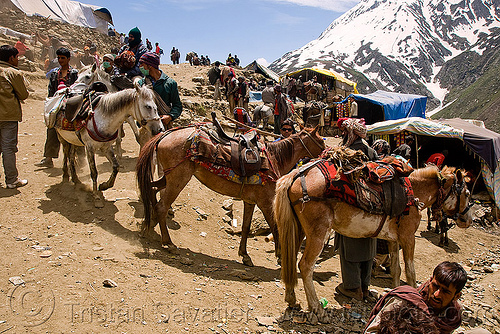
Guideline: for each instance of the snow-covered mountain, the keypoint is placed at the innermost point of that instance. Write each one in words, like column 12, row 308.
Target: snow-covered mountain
column 398, row 45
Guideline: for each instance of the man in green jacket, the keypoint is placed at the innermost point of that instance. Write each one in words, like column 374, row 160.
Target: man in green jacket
column 12, row 92
column 165, row 86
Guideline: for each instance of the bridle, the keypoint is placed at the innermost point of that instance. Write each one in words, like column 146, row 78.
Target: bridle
column 314, row 141
column 455, row 189
column 144, row 120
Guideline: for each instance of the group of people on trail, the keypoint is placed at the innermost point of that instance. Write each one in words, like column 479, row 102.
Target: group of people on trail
column 133, row 60
column 195, row 60
column 233, row 61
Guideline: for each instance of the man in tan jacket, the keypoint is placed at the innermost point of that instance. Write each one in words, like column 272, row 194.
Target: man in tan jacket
column 12, row 91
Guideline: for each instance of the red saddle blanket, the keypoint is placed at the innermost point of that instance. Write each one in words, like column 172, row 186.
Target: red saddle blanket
column 216, row 158
column 65, row 124
column 374, row 197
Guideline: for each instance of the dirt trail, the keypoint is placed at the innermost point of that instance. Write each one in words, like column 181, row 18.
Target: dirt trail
column 63, row 249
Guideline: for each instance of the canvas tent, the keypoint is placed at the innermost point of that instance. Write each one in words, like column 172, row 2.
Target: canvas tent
column 383, row 106
column 477, row 142
column 334, row 81
column 68, row 11
column 259, row 68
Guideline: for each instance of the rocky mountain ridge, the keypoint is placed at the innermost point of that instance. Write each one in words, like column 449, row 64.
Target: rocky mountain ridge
column 400, row 46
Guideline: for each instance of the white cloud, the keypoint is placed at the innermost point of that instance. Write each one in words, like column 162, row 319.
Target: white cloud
column 339, row 6
column 263, row 61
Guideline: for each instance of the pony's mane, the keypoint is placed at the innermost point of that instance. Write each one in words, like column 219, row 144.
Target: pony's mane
column 282, row 150
column 432, row 172
column 111, row 102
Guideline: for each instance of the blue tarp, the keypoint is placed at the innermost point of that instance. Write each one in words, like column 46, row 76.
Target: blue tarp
column 255, row 96
column 396, row 105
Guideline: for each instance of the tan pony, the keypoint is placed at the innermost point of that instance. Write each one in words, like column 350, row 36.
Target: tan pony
column 316, row 218
column 172, row 154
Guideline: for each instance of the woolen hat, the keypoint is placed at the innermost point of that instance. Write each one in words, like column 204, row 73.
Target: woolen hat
column 135, row 32
column 109, row 56
column 151, row 59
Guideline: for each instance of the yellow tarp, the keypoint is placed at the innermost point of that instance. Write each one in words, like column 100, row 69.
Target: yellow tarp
column 328, row 73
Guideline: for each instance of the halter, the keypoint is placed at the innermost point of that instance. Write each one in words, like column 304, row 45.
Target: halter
column 144, row 120
column 455, row 189
column 314, row 141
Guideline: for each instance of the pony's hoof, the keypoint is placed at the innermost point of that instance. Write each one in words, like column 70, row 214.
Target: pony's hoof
column 99, row 203
column 103, row 186
column 65, row 179
column 247, row 261
column 172, row 249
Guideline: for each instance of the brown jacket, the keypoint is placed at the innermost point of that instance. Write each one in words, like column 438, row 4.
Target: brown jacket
column 12, row 92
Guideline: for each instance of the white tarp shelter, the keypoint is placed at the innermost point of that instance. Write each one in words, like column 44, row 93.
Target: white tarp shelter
column 68, row 11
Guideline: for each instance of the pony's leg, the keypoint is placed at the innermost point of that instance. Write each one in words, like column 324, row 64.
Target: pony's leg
column 110, row 155
column 408, row 245
column 72, row 163
column 98, row 201
column 131, row 121
column 119, row 151
column 267, row 211
column 314, row 247
column 66, row 156
column 248, row 209
column 429, row 224
column 176, row 181
column 395, row 266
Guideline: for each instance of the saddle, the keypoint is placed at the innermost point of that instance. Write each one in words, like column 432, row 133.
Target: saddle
column 78, row 106
column 245, row 150
column 380, row 187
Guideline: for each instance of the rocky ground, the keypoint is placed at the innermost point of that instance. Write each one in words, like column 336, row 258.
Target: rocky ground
column 69, row 267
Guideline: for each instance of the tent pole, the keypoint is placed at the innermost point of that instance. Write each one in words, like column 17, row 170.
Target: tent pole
column 416, row 143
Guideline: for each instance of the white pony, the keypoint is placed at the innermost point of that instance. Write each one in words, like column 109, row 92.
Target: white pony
column 101, row 127
column 92, row 73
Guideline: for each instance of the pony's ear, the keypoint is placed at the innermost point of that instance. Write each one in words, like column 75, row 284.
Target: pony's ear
column 94, row 67
column 137, row 83
column 460, row 176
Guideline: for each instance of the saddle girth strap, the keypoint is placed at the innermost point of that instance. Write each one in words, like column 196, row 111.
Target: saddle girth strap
column 305, row 196
column 380, row 225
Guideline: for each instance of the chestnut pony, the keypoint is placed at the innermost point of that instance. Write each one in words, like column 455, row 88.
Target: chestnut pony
column 172, row 155
column 315, row 219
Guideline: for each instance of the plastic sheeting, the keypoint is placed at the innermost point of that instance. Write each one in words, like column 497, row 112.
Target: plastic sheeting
column 396, row 105
column 483, row 142
column 259, row 68
column 67, row 11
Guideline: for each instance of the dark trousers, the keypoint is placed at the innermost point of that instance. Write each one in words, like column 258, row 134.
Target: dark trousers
column 52, row 144
column 277, row 124
column 8, row 148
column 355, row 274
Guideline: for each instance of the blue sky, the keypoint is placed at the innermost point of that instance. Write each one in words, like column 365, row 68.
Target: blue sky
column 252, row 29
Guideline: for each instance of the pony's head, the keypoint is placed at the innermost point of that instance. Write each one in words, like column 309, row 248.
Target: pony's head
column 147, row 112
column 93, row 73
column 312, row 142
column 456, row 204
column 86, row 75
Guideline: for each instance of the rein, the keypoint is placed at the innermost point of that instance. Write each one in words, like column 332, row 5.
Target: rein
column 314, row 141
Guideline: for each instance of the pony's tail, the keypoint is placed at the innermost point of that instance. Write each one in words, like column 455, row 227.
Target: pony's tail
column 288, row 230
column 144, row 175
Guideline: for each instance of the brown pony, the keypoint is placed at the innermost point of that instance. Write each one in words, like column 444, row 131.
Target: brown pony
column 171, row 153
column 316, row 218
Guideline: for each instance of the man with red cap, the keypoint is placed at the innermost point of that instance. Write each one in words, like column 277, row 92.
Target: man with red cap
column 165, row 86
